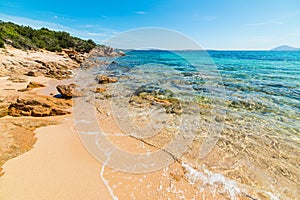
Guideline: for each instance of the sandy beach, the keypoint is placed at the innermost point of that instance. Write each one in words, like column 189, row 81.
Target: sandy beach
column 50, row 161
column 58, row 167
column 45, row 154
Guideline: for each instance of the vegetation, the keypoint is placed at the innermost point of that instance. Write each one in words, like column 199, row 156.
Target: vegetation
column 25, row 37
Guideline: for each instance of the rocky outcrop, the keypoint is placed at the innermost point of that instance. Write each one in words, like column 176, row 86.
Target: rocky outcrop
column 32, row 85
column 68, row 91
column 38, row 106
column 103, row 79
column 104, row 51
column 18, row 64
column 78, row 57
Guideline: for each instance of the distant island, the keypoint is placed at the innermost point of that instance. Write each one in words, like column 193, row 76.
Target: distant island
column 285, row 48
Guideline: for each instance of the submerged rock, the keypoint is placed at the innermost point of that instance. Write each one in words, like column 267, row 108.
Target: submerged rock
column 100, row 90
column 68, row 91
column 154, row 95
column 103, row 79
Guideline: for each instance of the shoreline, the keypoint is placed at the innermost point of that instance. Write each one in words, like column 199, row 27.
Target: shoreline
column 58, row 163
column 54, row 163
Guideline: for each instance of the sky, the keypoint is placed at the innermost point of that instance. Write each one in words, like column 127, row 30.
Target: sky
column 213, row 24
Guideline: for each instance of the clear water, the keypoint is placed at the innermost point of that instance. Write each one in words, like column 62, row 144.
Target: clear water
column 254, row 95
column 265, row 83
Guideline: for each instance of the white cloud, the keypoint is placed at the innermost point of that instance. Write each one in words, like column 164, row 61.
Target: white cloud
column 33, row 23
column 141, row 13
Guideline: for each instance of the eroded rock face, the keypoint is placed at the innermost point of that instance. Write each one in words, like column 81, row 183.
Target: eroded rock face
column 68, row 91
column 103, row 79
column 38, row 106
column 18, row 64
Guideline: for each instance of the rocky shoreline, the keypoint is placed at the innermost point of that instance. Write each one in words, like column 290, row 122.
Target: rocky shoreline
column 22, row 108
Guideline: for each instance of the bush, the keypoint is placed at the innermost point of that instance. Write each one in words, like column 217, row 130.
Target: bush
column 1, row 43
column 25, row 37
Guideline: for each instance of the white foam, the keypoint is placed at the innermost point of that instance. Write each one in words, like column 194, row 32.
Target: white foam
column 214, row 181
column 110, row 190
column 88, row 132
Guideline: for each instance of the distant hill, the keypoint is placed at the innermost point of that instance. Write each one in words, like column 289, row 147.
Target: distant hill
column 285, row 48
column 25, row 37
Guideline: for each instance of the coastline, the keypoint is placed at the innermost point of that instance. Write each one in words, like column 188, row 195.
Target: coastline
column 58, row 166
column 54, row 162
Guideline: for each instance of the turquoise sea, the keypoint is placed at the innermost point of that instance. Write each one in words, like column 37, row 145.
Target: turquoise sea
column 263, row 83
column 246, row 108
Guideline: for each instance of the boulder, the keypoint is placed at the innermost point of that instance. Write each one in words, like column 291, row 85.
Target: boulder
column 103, row 79
column 38, row 106
column 100, row 90
column 68, row 91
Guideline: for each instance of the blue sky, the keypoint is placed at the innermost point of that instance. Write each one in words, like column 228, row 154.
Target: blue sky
column 214, row 24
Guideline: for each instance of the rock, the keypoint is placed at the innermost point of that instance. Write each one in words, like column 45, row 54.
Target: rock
column 31, row 86
column 104, row 51
column 100, row 90
column 18, row 79
column 38, row 106
column 155, row 91
column 175, row 107
column 121, row 53
column 30, row 73
column 151, row 94
column 58, row 74
column 68, row 91
column 103, row 79
column 3, row 109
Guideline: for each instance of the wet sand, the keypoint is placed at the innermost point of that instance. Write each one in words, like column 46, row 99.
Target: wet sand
column 58, row 167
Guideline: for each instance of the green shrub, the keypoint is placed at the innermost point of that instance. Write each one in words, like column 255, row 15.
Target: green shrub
column 1, row 43
column 25, row 37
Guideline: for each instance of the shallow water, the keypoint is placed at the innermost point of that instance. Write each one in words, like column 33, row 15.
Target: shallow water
column 241, row 114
